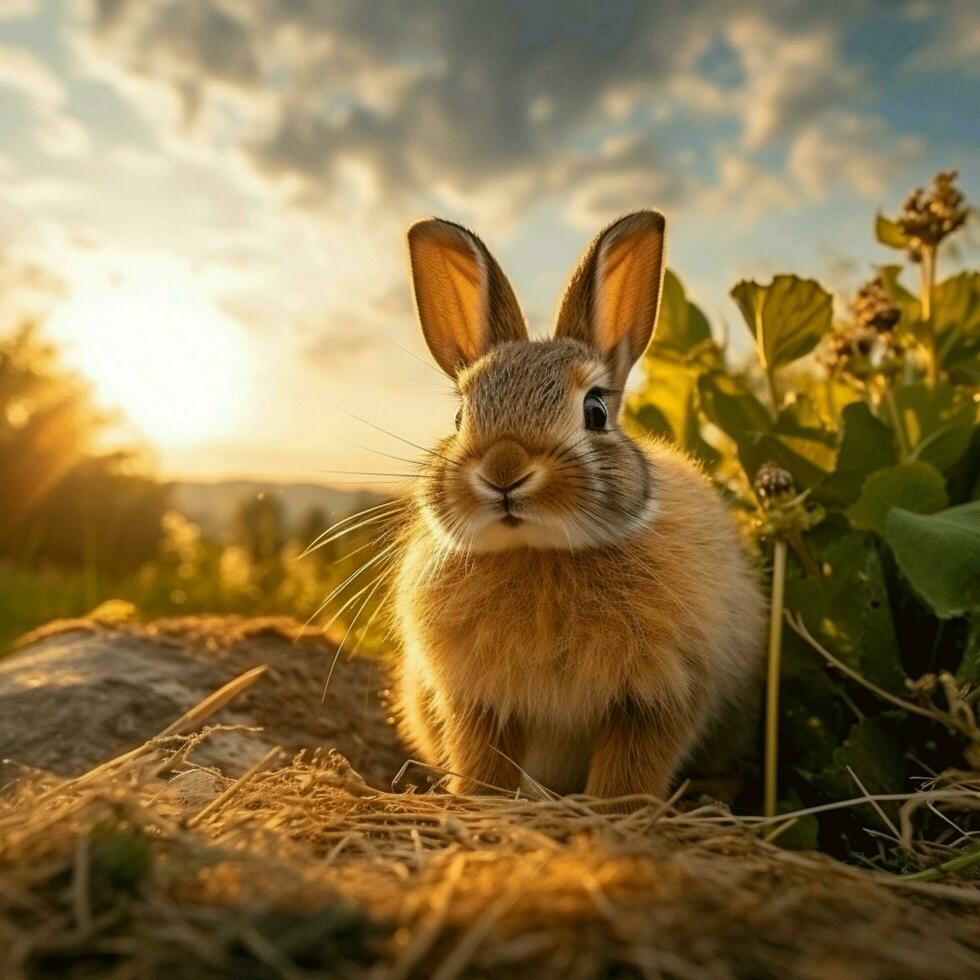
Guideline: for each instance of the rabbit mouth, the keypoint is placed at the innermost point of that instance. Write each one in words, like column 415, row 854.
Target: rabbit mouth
column 510, row 520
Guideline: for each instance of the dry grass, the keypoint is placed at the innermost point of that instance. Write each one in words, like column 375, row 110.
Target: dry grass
column 303, row 868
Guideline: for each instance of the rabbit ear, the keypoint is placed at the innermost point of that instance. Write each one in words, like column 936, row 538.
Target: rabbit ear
column 611, row 301
column 465, row 303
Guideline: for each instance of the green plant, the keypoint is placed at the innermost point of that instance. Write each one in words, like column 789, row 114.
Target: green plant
column 849, row 448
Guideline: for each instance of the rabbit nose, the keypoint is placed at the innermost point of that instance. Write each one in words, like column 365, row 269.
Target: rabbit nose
column 505, row 467
column 510, row 487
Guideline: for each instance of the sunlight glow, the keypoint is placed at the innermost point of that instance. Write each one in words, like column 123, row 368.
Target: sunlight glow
column 156, row 347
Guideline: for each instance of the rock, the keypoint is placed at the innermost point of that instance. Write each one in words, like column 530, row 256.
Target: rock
column 194, row 789
column 80, row 692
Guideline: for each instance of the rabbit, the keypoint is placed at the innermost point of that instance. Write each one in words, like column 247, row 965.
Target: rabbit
column 575, row 608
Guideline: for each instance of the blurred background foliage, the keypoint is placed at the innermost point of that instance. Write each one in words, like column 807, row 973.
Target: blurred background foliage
column 79, row 527
column 851, row 437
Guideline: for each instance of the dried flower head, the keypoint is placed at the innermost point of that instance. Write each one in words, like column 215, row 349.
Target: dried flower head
column 782, row 512
column 872, row 307
column 929, row 216
column 861, row 351
column 773, row 485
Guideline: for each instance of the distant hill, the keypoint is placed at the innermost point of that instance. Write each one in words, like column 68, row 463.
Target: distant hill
column 213, row 505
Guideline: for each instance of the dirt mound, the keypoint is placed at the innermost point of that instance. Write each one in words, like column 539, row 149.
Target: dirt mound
column 81, row 691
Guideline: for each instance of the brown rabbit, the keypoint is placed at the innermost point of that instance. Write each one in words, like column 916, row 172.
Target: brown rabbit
column 573, row 605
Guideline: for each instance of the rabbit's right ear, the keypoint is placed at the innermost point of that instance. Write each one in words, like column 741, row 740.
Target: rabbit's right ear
column 611, row 302
column 465, row 303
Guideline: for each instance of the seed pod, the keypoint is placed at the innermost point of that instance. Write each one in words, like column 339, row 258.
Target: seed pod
column 773, row 485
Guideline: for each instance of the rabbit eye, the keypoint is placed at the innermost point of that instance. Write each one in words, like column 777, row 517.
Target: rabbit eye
column 596, row 414
column 459, row 417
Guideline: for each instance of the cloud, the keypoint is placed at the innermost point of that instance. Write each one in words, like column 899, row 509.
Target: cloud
column 789, row 73
column 57, row 133
column 28, row 287
column 29, row 193
column 956, row 41
column 186, row 46
column 363, row 116
column 846, row 150
column 61, row 135
column 337, row 351
column 136, row 160
column 790, row 77
column 743, row 191
column 364, row 332
column 341, row 103
column 626, row 173
column 484, row 108
column 19, row 9
column 20, row 70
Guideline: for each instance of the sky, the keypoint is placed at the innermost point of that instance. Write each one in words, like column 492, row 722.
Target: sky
column 208, row 198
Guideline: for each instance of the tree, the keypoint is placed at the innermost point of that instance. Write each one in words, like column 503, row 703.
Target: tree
column 62, row 500
column 258, row 528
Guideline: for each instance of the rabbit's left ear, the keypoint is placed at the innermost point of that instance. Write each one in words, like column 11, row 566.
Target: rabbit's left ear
column 465, row 303
column 611, row 301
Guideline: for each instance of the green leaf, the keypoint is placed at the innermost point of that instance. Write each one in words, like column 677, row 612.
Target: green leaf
column 929, row 414
column 890, row 233
column 802, row 458
column 121, row 859
column 939, row 555
column 872, row 751
column 729, row 404
column 801, row 420
column 801, row 429
column 969, row 672
column 803, row 834
column 866, row 445
column 653, row 421
column 956, row 319
column 848, row 608
column 915, row 486
column 681, row 326
column 691, row 439
column 698, row 327
column 786, row 318
column 667, row 406
column 811, row 708
column 944, row 447
column 966, row 372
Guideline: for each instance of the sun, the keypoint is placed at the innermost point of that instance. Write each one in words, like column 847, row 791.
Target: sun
column 154, row 346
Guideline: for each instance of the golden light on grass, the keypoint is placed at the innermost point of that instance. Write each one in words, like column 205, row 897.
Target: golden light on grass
column 156, row 347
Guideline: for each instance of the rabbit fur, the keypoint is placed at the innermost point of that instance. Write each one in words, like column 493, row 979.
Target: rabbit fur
column 574, row 606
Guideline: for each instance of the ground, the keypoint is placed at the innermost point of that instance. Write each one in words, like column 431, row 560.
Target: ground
column 245, row 852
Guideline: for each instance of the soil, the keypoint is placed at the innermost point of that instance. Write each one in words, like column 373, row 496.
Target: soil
column 79, row 692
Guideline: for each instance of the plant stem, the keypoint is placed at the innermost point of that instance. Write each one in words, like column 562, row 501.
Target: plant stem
column 954, row 864
column 831, row 401
column 771, row 378
column 925, row 299
column 896, row 421
column 772, row 685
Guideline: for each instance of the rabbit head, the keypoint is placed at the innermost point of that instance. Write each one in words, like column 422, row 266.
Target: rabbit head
column 538, row 458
